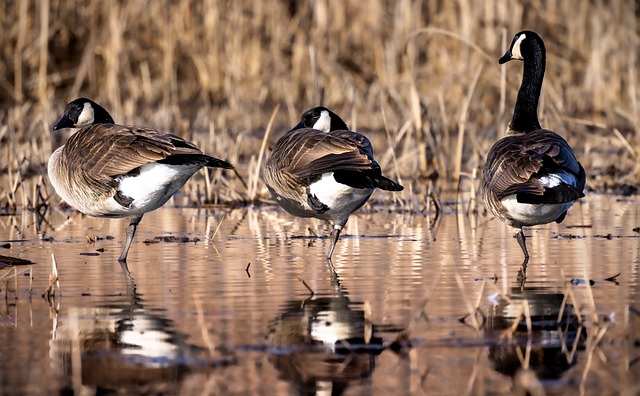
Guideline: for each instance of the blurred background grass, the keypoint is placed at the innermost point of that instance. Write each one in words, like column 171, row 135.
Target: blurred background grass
column 420, row 78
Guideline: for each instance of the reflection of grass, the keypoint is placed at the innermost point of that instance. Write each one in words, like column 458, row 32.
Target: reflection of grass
column 421, row 79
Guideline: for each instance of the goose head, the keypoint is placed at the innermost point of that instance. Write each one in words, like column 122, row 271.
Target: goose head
column 525, row 45
column 82, row 112
column 322, row 119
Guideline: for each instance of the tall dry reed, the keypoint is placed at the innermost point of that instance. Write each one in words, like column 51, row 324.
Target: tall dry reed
column 419, row 77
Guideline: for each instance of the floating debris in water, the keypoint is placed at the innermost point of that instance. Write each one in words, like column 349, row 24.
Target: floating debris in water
column 579, row 281
column 6, row 261
column 5, row 246
column 613, row 279
column 93, row 239
column 568, row 236
column 493, row 278
column 170, row 239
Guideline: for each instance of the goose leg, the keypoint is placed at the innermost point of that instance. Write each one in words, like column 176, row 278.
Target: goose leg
column 335, row 235
column 523, row 245
column 131, row 231
column 334, row 274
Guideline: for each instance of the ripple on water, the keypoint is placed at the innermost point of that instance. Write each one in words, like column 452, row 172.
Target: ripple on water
column 257, row 308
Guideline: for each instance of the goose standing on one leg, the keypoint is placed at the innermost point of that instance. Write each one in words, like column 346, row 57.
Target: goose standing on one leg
column 110, row 170
column 531, row 176
column 321, row 169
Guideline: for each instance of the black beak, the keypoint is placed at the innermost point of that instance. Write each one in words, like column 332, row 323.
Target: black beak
column 63, row 122
column 505, row 58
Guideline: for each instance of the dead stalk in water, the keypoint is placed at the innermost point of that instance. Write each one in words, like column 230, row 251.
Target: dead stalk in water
column 253, row 183
column 590, row 300
column 471, row 310
column 567, row 294
column 217, row 228
column 307, row 286
column 464, row 115
column 53, row 280
column 203, row 328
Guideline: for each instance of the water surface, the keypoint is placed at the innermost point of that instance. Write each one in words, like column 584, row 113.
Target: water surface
column 419, row 305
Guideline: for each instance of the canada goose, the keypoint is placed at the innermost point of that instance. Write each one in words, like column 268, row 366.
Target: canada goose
column 110, row 170
column 531, row 176
column 321, row 169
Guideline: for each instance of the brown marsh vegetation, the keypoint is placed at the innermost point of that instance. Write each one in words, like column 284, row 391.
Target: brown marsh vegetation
column 421, row 78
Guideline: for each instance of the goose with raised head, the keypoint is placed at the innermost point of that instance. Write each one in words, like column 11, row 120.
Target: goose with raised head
column 111, row 170
column 531, row 175
column 321, row 169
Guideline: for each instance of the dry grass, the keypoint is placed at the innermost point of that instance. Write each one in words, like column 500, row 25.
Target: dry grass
column 421, row 78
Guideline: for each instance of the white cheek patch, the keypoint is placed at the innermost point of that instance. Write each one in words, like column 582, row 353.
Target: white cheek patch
column 516, row 53
column 324, row 122
column 86, row 117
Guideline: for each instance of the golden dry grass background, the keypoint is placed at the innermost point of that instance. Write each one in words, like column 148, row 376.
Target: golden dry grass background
column 420, row 78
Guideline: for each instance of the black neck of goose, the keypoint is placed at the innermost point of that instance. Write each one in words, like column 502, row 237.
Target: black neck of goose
column 101, row 116
column 525, row 113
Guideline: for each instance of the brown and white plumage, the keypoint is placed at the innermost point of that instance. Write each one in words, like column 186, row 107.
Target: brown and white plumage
column 110, row 170
column 531, row 176
column 321, row 169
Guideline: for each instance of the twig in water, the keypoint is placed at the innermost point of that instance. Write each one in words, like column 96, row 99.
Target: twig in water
column 368, row 325
column 569, row 354
column 613, row 279
column 53, row 280
column 15, row 281
column 217, row 228
column 307, row 286
column 470, row 308
column 567, row 293
column 203, row 329
column 522, row 311
column 247, row 270
column 591, row 301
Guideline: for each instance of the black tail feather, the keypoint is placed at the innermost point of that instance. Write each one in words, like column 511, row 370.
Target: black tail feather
column 218, row 163
column 366, row 180
column 189, row 159
column 559, row 194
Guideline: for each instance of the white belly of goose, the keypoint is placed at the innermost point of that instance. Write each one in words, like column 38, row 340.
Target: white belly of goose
column 530, row 214
column 149, row 190
column 338, row 197
column 153, row 186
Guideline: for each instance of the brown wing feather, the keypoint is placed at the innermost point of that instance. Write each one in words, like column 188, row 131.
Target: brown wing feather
column 112, row 150
column 513, row 160
column 315, row 152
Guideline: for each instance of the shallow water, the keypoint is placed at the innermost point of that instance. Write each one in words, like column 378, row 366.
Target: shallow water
column 423, row 302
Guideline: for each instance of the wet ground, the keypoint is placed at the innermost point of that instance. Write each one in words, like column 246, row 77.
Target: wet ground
column 419, row 305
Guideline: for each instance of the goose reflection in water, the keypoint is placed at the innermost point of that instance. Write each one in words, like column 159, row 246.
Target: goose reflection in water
column 124, row 347
column 549, row 360
column 322, row 343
